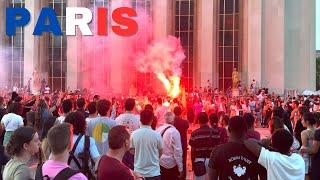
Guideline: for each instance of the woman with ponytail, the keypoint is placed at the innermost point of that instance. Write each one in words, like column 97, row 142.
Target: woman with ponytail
column 23, row 143
column 42, row 115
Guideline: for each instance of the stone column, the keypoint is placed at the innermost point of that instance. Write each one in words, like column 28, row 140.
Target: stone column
column 163, row 16
column 273, row 45
column 2, row 24
column 35, row 56
column 3, row 49
column 251, row 43
column 73, row 54
column 300, row 59
column 205, row 63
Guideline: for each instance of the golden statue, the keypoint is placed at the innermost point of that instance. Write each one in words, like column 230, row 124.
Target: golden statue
column 235, row 78
column 36, row 81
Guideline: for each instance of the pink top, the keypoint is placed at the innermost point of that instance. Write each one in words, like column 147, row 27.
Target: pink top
column 52, row 168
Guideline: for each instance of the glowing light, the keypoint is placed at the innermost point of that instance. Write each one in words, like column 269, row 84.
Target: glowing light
column 175, row 91
column 164, row 58
column 172, row 84
column 164, row 81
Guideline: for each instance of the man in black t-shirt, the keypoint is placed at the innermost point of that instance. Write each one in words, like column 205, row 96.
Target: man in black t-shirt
column 202, row 142
column 298, row 126
column 233, row 160
column 182, row 126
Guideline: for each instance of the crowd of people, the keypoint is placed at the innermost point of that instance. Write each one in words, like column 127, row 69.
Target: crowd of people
column 78, row 135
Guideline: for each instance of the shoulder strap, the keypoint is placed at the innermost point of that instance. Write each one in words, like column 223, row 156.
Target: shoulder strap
column 86, row 152
column 88, row 158
column 76, row 144
column 39, row 175
column 66, row 173
column 39, row 172
column 165, row 130
column 71, row 153
column 87, row 143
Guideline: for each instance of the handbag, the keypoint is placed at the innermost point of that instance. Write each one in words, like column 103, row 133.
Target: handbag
column 199, row 168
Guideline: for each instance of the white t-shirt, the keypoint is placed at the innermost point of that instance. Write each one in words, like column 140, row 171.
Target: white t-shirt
column 260, row 97
column 61, row 119
column 280, row 166
column 12, row 121
column 147, row 144
column 131, row 121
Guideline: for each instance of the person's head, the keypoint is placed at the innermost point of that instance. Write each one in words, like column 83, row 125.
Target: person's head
column 237, row 127
column 214, row 119
column 248, row 117
column 23, row 140
column 295, row 104
column 146, row 117
column 169, row 117
column 224, row 120
column 278, row 111
column 154, row 119
column 177, row 111
column 81, row 103
column 119, row 138
column 31, row 118
column 129, row 104
column 103, row 107
column 96, row 98
column 67, row 106
column 148, row 107
column 302, row 110
column 15, row 108
column 18, row 99
column 14, row 95
column 92, row 107
column 275, row 123
column 308, row 119
column 60, row 138
column 160, row 101
column 203, row 118
column 281, row 141
column 48, row 124
column 77, row 120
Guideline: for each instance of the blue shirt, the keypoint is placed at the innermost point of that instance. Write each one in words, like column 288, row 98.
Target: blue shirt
column 94, row 153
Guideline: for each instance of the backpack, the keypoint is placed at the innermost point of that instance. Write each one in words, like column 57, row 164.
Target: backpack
column 84, row 156
column 66, row 173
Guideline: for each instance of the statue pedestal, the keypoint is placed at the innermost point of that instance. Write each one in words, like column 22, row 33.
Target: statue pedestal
column 235, row 92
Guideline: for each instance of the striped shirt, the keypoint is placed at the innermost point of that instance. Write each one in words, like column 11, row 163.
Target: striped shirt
column 203, row 140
